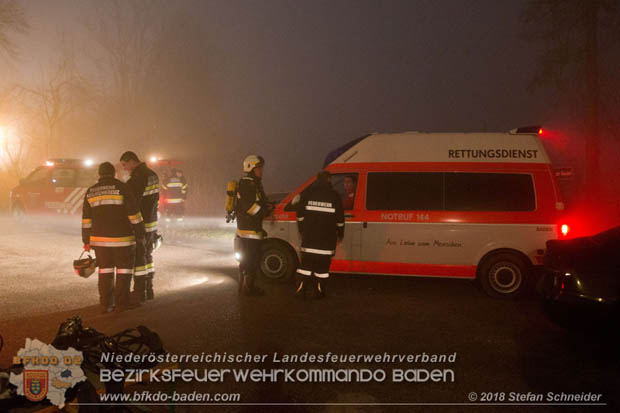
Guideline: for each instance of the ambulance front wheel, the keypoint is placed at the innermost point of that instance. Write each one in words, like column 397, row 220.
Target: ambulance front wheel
column 278, row 261
column 502, row 275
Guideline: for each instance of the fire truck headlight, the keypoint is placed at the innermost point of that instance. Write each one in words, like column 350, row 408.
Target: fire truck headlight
column 238, row 256
column 153, row 159
column 88, row 162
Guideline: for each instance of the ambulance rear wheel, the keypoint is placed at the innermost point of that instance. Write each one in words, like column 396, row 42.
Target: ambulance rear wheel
column 278, row 261
column 502, row 275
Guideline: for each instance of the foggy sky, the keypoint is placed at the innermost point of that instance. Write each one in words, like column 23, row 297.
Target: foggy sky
column 291, row 80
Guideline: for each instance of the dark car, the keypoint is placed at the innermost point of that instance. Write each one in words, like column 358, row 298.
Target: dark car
column 581, row 286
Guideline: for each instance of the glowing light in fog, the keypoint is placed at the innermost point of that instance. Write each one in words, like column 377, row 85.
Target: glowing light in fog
column 49, row 163
column 238, row 256
column 564, row 229
column 153, row 159
column 88, row 162
column 197, row 281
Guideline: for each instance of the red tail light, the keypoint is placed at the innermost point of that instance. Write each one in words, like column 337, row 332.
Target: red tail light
column 540, row 131
column 564, row 229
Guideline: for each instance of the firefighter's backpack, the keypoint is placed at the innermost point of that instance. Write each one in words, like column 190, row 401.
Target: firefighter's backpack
column 231, row 200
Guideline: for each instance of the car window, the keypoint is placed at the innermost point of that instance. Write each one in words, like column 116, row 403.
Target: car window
column 489, row 192
column 38, row 175
column 404, row 191
column 450, row 191
column 86, row 177
column 63, row 177
column 346, row 186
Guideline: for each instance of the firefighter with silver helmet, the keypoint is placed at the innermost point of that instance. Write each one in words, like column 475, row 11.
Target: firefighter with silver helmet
column 112, row 224
column 251, row 208
column 320, row 220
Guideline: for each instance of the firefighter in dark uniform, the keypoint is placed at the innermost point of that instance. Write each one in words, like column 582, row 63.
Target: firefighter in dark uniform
column 176, row 195
column 145, row 186
column 251, row 208
column 113, row 225
column 320, row 220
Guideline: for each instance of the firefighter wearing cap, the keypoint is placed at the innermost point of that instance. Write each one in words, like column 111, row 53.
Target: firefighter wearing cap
column 320, row 220
column 176, row 194
column 112, row 224
column 144, row 184
column 251, row 208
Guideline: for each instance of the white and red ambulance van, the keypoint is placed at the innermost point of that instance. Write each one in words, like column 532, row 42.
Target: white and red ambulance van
column 460, row 205
column 57, row 187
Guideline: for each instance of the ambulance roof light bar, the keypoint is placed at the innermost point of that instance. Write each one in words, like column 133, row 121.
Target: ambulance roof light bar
column 527, row 130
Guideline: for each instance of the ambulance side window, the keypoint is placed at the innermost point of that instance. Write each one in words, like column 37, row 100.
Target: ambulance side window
column 346, row 186
column 402, row 191
column 63, row 177
column 489, row 192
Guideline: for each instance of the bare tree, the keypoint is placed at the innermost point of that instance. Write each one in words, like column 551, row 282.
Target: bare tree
column 60, row 93
column 124, row 30
column 12, row 19
column 571, row 30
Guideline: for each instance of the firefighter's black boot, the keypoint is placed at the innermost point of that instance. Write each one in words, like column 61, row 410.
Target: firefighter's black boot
column 106, row 292
column 249, row 288
column 302, row 286
column 150, row 294
column 245, row 283
column 123, row 298
column 240, row 281
column 139, row 289
column 321, row 287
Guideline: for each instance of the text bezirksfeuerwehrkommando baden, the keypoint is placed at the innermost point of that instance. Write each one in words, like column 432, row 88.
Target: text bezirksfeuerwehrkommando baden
column 275, row 357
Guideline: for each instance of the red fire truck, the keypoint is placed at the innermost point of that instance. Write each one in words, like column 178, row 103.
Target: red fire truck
column 163, row 169
column 57, row 187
